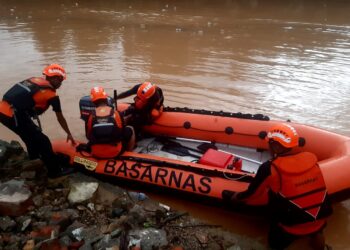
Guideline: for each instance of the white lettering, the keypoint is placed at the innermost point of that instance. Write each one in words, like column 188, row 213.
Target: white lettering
column 279, row 135
column 57, row 71
column 148, row 87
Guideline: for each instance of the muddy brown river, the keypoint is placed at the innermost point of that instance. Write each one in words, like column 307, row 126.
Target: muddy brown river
column 286, row 59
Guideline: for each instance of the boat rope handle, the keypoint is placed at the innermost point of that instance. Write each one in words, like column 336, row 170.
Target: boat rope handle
column 228, row 130
column 234, row 179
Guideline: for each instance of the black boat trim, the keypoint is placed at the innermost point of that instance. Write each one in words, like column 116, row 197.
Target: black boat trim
column 240, row 115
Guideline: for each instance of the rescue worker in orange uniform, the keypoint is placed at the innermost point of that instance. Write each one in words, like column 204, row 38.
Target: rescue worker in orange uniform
column 105, row 130
column 147, row 106
column 298, row 198
column 25, row 101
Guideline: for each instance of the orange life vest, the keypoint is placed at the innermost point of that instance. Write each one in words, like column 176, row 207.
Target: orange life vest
column 6, row 109
column 31, row 95
column 104, row 131
column 300, row 191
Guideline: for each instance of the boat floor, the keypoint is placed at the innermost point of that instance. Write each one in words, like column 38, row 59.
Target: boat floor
column 251, row 158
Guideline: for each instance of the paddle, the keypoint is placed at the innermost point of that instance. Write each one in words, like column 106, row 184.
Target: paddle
column 181, row 150
column 170, row 143
column 205, row 145
column 178, row 151
column 177, row 148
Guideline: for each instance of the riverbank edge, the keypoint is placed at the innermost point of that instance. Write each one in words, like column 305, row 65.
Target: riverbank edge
column 110, row 216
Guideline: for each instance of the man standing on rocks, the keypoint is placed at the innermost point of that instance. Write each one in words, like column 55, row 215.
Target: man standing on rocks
column 24, row 102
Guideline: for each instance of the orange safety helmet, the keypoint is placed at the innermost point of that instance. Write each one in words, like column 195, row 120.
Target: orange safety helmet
column 144, row 93
column 285, row 134
column 54, row 70
column 98, row 93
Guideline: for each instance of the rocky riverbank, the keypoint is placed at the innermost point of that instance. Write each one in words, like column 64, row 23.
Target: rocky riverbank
column 81, row 212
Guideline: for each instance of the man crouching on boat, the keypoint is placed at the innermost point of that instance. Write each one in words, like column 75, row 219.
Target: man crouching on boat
column 147, row 106
column 105, row 130
column 298, row 198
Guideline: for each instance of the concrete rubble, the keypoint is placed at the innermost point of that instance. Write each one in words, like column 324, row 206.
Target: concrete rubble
column 81, row 212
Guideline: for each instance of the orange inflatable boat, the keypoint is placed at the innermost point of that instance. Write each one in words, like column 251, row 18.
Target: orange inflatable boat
column 205, row 153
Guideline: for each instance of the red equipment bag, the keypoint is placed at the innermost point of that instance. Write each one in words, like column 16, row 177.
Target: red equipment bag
column 220, row 159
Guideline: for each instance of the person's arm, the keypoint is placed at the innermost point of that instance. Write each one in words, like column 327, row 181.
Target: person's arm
column 161, row 97
column 129, row 92
column 257, row 184
column 56, row 106
column 62, row 121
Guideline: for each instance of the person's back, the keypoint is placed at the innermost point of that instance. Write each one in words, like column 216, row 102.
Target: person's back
column 105, row 130
column 298, row 195
column 298, row 198
column 30, row 95
column 28, row 99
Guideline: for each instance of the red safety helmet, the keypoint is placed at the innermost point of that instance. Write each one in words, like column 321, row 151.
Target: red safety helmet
column 285, row 134
column 144, row 93
column 54, row 70
column 98, row 93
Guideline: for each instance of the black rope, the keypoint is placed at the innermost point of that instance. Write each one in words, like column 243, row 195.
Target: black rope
column 260, row 117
